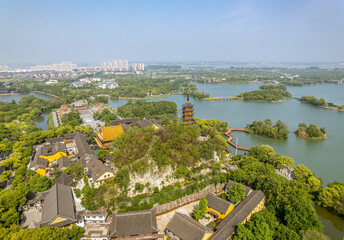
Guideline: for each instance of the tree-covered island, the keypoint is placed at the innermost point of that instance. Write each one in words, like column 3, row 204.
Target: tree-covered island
column 267, row 93
column 267, row 128
column 321, row 103
column 311, row 132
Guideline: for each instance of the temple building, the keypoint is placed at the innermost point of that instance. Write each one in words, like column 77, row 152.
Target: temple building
column 218, row 207
column 107, row 135
column 183, row 227
column 134, row 225
column 188, row 112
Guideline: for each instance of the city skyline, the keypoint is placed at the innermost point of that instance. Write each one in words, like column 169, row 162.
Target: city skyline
column 86, row 33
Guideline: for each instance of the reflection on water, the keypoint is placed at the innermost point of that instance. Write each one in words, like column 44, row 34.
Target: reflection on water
column 42, row 121
column 333, row 224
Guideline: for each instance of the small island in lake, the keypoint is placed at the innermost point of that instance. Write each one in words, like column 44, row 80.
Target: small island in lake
column 267, row 129
column 267, row 93
column 311, row 132
column 321, row 103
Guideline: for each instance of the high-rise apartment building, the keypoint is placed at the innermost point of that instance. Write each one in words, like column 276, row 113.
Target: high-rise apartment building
column 141, row 66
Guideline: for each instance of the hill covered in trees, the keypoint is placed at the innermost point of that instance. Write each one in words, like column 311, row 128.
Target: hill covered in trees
column 171, row 145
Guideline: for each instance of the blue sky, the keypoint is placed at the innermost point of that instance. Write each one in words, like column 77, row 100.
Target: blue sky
column 85, row 31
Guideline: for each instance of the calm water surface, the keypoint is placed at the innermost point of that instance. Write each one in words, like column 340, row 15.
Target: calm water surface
column 43, row 121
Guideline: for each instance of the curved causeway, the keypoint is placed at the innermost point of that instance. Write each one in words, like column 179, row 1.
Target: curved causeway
column 230, row 138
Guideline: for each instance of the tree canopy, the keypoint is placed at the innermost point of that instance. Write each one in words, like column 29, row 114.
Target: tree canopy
column 144, row 109
column 267, row 129
column 236, row 193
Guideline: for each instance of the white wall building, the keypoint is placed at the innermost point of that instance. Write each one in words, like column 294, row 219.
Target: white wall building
column 51, row 82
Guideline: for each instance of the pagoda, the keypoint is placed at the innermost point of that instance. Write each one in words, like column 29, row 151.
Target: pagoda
column 188, row 112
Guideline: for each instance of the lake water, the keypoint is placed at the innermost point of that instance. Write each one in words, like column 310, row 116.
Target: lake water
column 324, row 158
column 43, row 121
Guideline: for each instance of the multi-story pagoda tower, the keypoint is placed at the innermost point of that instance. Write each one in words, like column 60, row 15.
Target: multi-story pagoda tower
column 188, row 112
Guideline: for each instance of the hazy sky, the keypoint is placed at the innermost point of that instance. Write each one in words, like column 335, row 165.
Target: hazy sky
column 85, row 31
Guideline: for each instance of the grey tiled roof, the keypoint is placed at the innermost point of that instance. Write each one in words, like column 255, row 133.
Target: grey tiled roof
column 186, row 228
column 217, row 203
column 63, row 162
column 144, row 123
column 133, row 223
column 227, row 227
column 64, row 179
column 124, row 121
column 51, row 149
column 38, row 162
column 58, row 202
column 97, row 168
column 81, row 144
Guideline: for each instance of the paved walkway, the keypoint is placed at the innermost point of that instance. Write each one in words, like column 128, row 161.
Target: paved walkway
column 30, row 216
column 56, row 124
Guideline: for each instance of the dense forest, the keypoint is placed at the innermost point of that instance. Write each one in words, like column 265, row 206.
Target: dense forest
column 144, row 109
column 267, row 128
column 311, row 132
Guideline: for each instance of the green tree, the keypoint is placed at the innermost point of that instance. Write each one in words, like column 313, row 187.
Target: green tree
column 262, row 152
column 236, row 193
column 122, row 179
column 4, row 176
column 4, row 131
column 39, row 183
column 101, row 154
column 302, row 172
column 200, row 211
